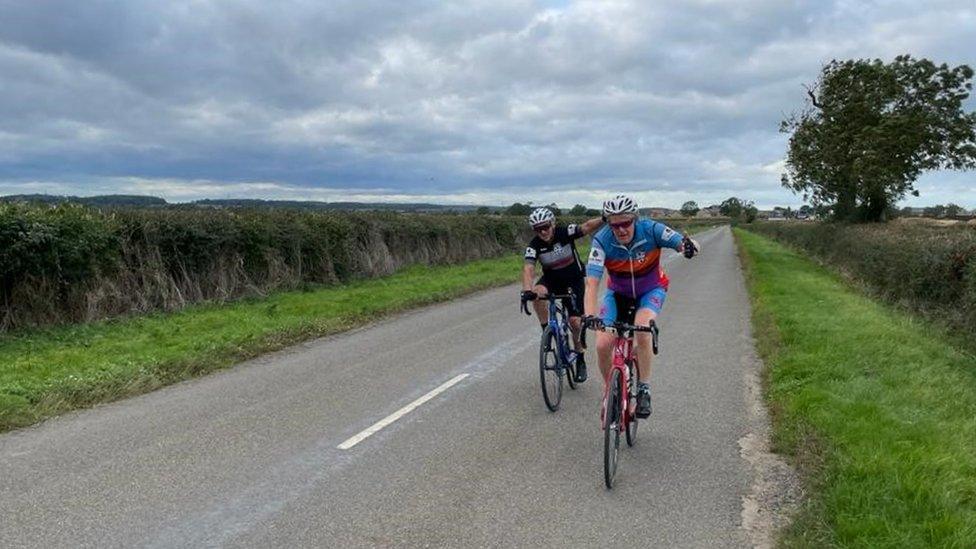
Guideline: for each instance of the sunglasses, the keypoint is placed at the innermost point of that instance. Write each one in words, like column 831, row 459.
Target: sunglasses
column 542, row 228
column 623, row 225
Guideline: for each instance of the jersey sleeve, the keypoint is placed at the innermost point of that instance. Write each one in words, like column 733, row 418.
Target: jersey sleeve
column 666, row 237
column 574, row 231
column 594, row 267
column 531, row 254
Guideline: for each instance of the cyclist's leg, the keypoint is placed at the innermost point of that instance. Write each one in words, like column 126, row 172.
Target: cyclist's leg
column 648, row 309
column 540, row 305
column 574, row 309
column 604, row 340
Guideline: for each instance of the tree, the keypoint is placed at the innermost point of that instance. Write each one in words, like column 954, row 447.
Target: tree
column 519, row 209
column 731, row 207
column 483, row 210
column 749, row 212
column 578, row 209
column 935, row 211
column 871, row 129
column 689, row 209
column 952, row 210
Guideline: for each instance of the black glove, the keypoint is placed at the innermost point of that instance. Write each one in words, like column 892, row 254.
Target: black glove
column 593, row 322
column 529, row 295
column 689, row 248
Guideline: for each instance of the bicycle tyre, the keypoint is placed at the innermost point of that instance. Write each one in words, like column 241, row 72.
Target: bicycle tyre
column 549, row 372
column 611, row 430
column 631, row 418
column 632, row 431
column 570, row 371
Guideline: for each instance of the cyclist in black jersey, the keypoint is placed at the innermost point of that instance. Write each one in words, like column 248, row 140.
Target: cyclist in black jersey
column 554, row 246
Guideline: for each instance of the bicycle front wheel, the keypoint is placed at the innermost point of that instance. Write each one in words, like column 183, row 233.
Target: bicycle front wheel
column 611, row 428
column 549, row 371
column 631, row 417
column 632, row 431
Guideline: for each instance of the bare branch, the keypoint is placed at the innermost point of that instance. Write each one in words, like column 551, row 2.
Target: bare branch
column 813, row 98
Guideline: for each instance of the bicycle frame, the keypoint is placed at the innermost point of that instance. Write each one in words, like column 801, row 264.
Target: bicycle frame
column 558, row 319
column 624, row 361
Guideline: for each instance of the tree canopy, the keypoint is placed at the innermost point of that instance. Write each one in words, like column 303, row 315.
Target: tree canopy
column 731, row 207
column 689, row 209
column 870, row 129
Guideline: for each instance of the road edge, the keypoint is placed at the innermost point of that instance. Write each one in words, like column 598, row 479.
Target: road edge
column 775, row 492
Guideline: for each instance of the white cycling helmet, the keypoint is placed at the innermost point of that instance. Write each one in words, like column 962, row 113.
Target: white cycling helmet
column 620, row 204
column 540, row 216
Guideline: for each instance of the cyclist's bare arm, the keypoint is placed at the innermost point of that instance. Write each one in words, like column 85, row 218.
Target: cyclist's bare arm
column 589, row 303
column 590, row 226
column 528, row 275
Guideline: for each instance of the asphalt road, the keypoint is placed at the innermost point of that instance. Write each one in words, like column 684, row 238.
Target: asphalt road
column 250, row 457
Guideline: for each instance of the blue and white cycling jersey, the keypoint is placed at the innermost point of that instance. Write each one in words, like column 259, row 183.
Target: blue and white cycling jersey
column 634, row 269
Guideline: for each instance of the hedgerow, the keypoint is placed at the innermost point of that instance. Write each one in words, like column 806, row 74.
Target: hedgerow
column 923, row 267
column 71, row 263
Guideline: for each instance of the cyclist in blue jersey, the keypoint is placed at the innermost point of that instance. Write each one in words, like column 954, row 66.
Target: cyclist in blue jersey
column 629, row 250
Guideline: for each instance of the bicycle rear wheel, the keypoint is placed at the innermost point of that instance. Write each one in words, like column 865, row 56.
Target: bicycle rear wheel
column 611, row 429
column 549, row 370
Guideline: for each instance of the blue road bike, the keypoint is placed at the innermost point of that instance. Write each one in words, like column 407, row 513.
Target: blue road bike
column 557, row 360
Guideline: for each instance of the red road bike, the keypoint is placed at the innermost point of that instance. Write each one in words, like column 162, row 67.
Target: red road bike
column 620, row 394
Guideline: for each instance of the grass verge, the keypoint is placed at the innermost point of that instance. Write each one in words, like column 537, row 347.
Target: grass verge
column 877, row 410
column 47, row 372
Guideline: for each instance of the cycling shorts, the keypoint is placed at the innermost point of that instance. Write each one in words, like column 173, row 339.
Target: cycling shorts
column 557, row 285
column 621, row 307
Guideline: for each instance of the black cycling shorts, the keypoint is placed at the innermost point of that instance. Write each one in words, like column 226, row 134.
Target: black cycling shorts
column 555, row 285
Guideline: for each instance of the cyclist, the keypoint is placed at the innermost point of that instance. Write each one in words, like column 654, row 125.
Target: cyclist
column 629, row 249
column 555, row 247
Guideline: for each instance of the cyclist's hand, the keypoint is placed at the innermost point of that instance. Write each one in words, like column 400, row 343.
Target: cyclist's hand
column 690, row 247
column 529, row 295
column 593, row 322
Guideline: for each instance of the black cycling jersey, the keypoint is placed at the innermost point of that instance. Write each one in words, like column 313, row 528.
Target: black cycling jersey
column 560, row 260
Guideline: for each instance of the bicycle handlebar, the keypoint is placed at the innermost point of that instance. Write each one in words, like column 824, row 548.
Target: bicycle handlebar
column 624, row 330
column 547, row 297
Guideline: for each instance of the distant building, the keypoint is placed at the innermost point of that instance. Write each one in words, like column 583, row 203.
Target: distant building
column 658, row 213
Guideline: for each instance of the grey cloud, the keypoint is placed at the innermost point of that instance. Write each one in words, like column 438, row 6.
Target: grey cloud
column 413, row 96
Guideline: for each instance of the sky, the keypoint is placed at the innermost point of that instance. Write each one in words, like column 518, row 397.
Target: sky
column 478, row 102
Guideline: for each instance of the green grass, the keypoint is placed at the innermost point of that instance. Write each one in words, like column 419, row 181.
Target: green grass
column 43, row 373
column 876, row 409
